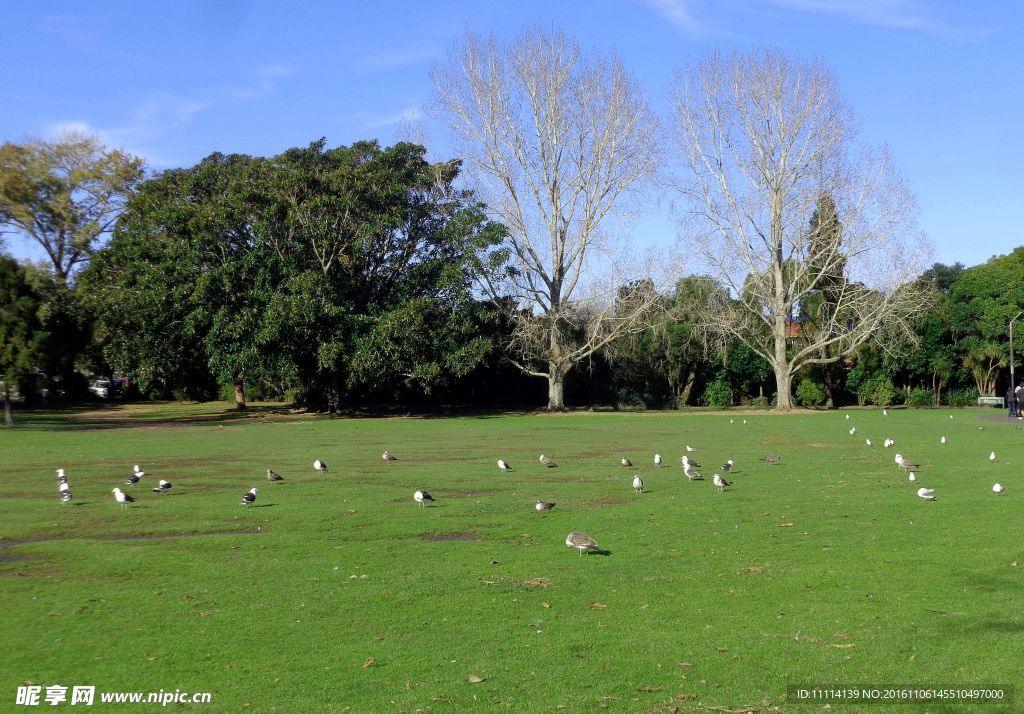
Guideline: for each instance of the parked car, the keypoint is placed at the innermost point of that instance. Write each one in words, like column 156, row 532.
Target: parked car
column 100, row 388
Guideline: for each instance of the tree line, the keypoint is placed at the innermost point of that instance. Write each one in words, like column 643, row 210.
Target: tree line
column 367, row 274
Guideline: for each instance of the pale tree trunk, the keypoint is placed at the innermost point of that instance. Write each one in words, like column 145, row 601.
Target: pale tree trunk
column 556, row 388
column 784, row 386
column 239, row 393
column 830, row 387
column 8, row 418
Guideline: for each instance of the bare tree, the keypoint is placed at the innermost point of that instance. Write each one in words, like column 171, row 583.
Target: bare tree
column 765, row 139
column 557, row 144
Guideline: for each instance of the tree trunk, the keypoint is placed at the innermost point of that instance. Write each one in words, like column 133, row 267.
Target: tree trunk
column 691, row 377
column 830, row 402
column 556, row 388
column 8, row 418
column 783, row 383
column 239, row 393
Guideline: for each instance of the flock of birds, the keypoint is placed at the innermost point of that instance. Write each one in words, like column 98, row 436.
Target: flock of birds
column 911, row 467
column 576, row 539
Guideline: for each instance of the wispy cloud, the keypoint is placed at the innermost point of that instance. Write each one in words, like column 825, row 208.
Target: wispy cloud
column 409, row 115
column 263, row 81
column 892, row 14
column 396, row 58
column 70, row 27
column 680, row 14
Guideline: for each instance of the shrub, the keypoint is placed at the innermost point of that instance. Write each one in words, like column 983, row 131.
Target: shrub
column 877, row 389
column 810, row 394
column 760, row 403
column 966, row 397
column 921, row 397
column 718, row 394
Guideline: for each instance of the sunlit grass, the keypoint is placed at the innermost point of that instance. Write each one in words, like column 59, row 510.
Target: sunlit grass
column 337, row 591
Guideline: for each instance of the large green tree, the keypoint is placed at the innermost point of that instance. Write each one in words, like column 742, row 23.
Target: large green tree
column 319, row 271
column 21, row 334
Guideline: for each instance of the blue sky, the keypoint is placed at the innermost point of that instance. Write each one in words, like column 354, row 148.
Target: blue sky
column 940, row 82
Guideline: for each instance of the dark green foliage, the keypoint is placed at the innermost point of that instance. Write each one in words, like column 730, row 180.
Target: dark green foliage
column 967, row 397
column 921, row 397
column 810, row 394
column 876, row 389
column 21, row 331
column 718, row 393
column 323, row 273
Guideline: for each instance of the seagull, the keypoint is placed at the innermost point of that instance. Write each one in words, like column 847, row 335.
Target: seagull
column 885, row 412
column 422, row 496
column 942, row 440
column 853, row 430
column 998, row 488
column 163, row 487
column 638, row 484
column 274, row 475
column 320, row 466
column 581, row 541
column 847, row 417
column 63, row 486
column 544, row 505
column 387, row 456
column 137, row 471
column 132, row 480
column 888, row 442
column 65, row 496
column 690, row 449
column 503, row 465
column 912, row 477
column 60, row 474
column 950, row 416
column 626, row 463
column 692, row 474
column 547, row 462
column 721, row 483
column 657, row 461
column 123, row 498
column 249, row 497
column 727, row 466
column 927, row 494
column 744, row 421
column 868, row 442
column 771, row 459
column 687, row 463
column 992, row 456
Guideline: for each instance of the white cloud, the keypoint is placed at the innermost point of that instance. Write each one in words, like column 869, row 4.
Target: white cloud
column 679, row 13
column 398, row 58
column 892, row 14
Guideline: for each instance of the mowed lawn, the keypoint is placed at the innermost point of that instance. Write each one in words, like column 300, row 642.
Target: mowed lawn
column 338, row 593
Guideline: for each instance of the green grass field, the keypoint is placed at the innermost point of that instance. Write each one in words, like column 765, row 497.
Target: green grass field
column 337, row 593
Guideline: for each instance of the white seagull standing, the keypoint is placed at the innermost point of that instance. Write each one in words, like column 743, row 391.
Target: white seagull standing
column 942, row 440
column 998, row 488
column 868, row 442
column 388, row 458
column 123, row 498
column 727, row 466
column 503, row 465
column 320, row 466
column 137, row 471
column 691, row 473
column 249, row 497
column 581, row 541
column 626, row 463
column 690, row 449
column 63, row 486
column 912, row 477
column 657, row 461
column 847, row 417
column 132, row 480
column 638, row 484
column 720, row 483
column 853, row 430
column 60, row 475
column 992, row 456
column 163, row 487
column 422, row 496
column 547, row 462
column 687, row 463
column 885, row 412
column 274, row 475
column 927, row 494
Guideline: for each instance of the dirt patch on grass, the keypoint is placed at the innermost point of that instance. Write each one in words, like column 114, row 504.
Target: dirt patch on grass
column 440, row 537
column 608, row 502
